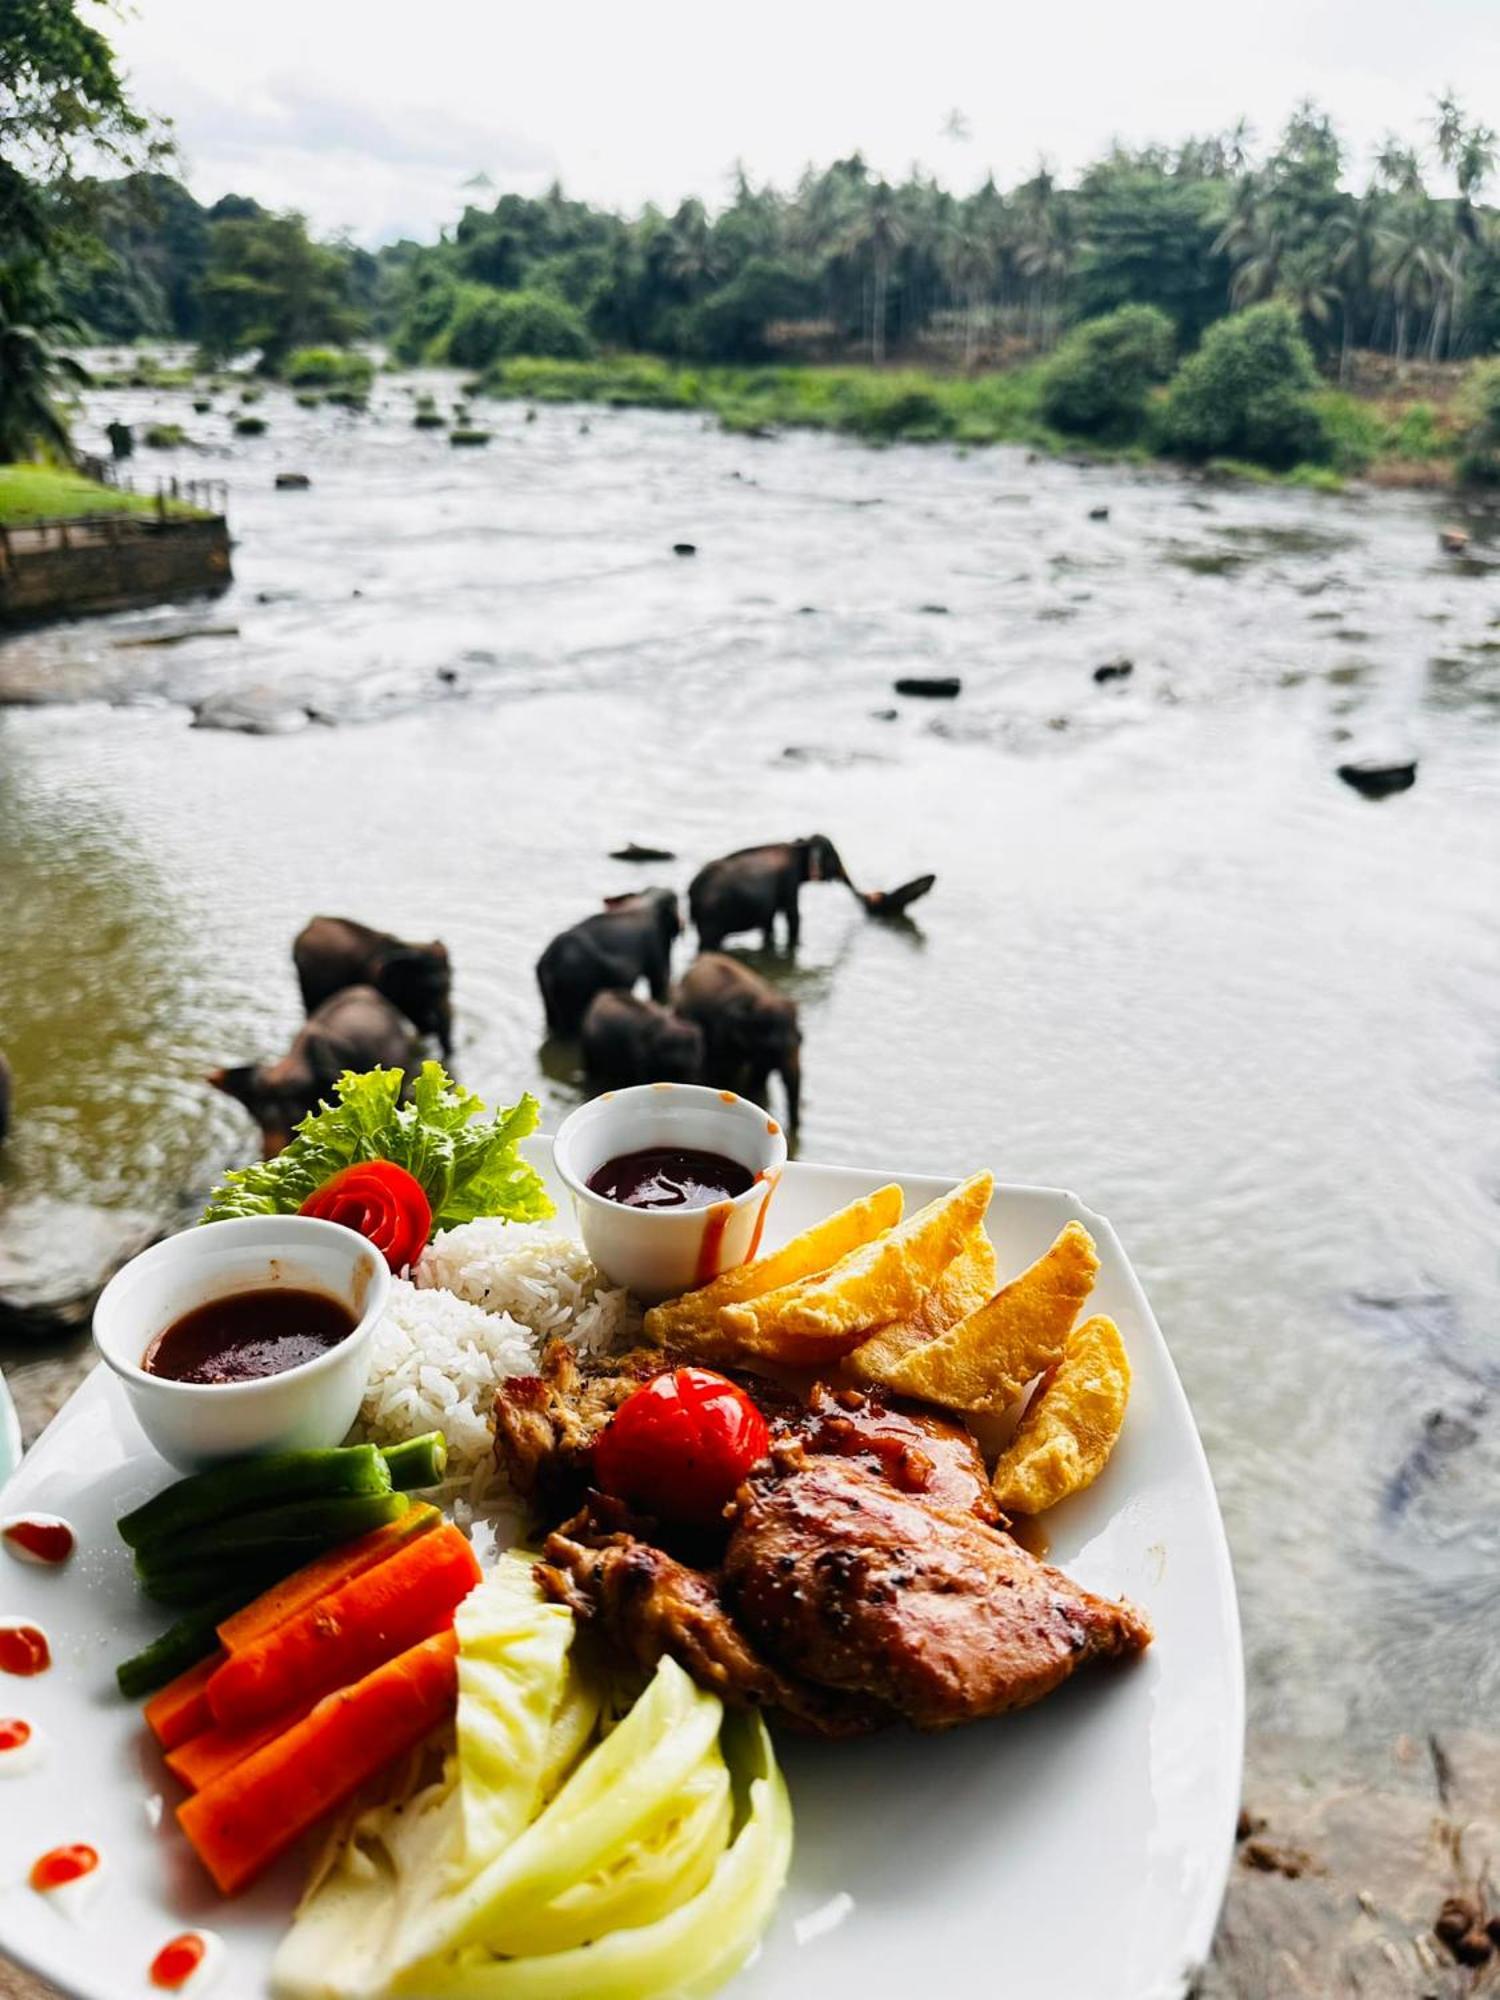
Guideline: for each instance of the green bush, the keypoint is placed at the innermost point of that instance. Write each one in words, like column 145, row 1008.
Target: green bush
column 249, row 427
column 164, row 437
column 328, row 368
column 491, row 326
column 469, row 437
column 907, row 413
column 1248, row 393
column 1098, row 382
column 429, row 309
column 1479, row 462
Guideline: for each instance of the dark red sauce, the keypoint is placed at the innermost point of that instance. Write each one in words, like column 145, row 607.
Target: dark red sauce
column 24, row 1650
column 39, row 1538
column 63, row 1864
column 14, row 1733
column 177, row 1961
column 712, row 1247
column 246, row 1335
column 671, row 1177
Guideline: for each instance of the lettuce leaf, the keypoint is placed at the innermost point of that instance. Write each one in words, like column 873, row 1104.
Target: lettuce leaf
column 466, row 1160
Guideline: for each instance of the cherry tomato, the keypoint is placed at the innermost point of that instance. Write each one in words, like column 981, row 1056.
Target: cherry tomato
column 680, row 1444
column 381, row 1201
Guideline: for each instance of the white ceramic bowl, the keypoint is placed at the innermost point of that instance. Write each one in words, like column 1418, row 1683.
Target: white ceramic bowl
column 659, row 1253
column 194, row 1424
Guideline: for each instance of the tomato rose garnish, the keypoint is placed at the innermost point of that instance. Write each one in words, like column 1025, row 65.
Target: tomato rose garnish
column 380, row 1200
column 679, row 1445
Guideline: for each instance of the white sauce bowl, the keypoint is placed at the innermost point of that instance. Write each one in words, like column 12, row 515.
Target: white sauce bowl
column 659, row 1253
column 196, row 1424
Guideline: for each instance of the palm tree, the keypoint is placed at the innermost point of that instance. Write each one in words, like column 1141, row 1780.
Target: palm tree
column 1308, row 284
column 877, row 231
column 1046, row 246
column 970, row 257
column 32, row 368
column 1410, row 265
column 1354, row 235
column 1469, row 150
column 689, row 255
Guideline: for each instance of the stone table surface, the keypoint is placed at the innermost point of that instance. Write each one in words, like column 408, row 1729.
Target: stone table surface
column 1334, row 1892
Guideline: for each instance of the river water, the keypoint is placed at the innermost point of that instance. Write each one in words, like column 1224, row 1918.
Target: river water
column 1171, row 961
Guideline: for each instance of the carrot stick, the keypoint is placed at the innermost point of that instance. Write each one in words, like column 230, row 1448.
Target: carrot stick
column 335, row 1641
column 180, row 1709
column 239, row 1825
column 205, row 1758
column 327, row 1572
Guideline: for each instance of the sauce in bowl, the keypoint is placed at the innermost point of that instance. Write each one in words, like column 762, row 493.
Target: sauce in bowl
column 670, row 1177
column 248, row 1335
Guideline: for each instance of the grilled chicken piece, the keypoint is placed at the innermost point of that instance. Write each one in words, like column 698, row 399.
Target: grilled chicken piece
column 643, row 1603
column 917, row 1450
column 845, row 1581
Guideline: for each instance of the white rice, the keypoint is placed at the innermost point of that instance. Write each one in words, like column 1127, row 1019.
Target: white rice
column 487, row 1298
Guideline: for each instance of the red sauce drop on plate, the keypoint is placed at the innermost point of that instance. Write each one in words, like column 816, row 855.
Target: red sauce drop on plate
column 42, row 1538
column 24, row 1650
column 176, row 1962
column 14, row 1733
column 60, row 1865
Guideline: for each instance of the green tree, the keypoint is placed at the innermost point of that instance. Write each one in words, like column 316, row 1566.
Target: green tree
column 1099, row 380
column 875, row 233
column 33, row 367
column 269, row 286
column 1248, row 393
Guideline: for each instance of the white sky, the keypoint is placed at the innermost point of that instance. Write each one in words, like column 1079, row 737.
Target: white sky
column 370, row 114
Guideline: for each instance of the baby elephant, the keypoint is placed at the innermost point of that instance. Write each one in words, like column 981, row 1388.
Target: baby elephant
column 357, row 1029
column 749, row 1029
column 628, row 940
column 628, row 1040
column 332, row 953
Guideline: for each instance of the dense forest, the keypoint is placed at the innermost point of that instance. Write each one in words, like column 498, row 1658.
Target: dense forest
column 1207, row 300
column 848, row 262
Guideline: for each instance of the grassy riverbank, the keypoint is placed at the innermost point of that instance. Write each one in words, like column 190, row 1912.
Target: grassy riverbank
column 1395, row 441
column 31, row 493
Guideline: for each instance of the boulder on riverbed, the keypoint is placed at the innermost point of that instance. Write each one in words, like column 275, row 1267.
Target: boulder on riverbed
column 1377, row 779
column 292, row 482
column 57, row 1256
column 930, row 687
column 1114, row 670
column 254, row 711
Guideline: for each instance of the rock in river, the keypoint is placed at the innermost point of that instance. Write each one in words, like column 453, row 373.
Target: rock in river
column 292, row 482
column 1379, row 780
column 1114, row 670
column 633, row 850
column 931, row 687
column 57, row 1256
column 257, row 711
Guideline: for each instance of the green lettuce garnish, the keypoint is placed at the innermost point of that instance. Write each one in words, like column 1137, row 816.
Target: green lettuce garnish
column 466, row 1160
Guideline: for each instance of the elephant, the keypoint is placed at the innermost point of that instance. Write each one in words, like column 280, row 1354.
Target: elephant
column 749, row 1029
column 631, row 938
column 331, row 953
column 745, row 891
column 629, row 1040
column 356, row 1029
column 4, row 1095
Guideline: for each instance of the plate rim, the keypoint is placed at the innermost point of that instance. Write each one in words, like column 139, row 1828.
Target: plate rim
column 1200, row 1925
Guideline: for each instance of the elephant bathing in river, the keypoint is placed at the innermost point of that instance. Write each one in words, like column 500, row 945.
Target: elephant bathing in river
column 749, row 1029
column 628, row 1040
column 332, row 953
column 631, row 938
column 357, row 1029
column 746, row 891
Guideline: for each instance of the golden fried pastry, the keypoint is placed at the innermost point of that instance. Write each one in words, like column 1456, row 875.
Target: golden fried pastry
column 1071, row 1423
column 822, row 1317
column 968, row 1281
column 692, row 1322
column 984, row 1362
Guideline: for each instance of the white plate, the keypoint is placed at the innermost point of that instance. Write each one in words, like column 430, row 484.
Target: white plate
column 10, row 1434
column 1078, row 1850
